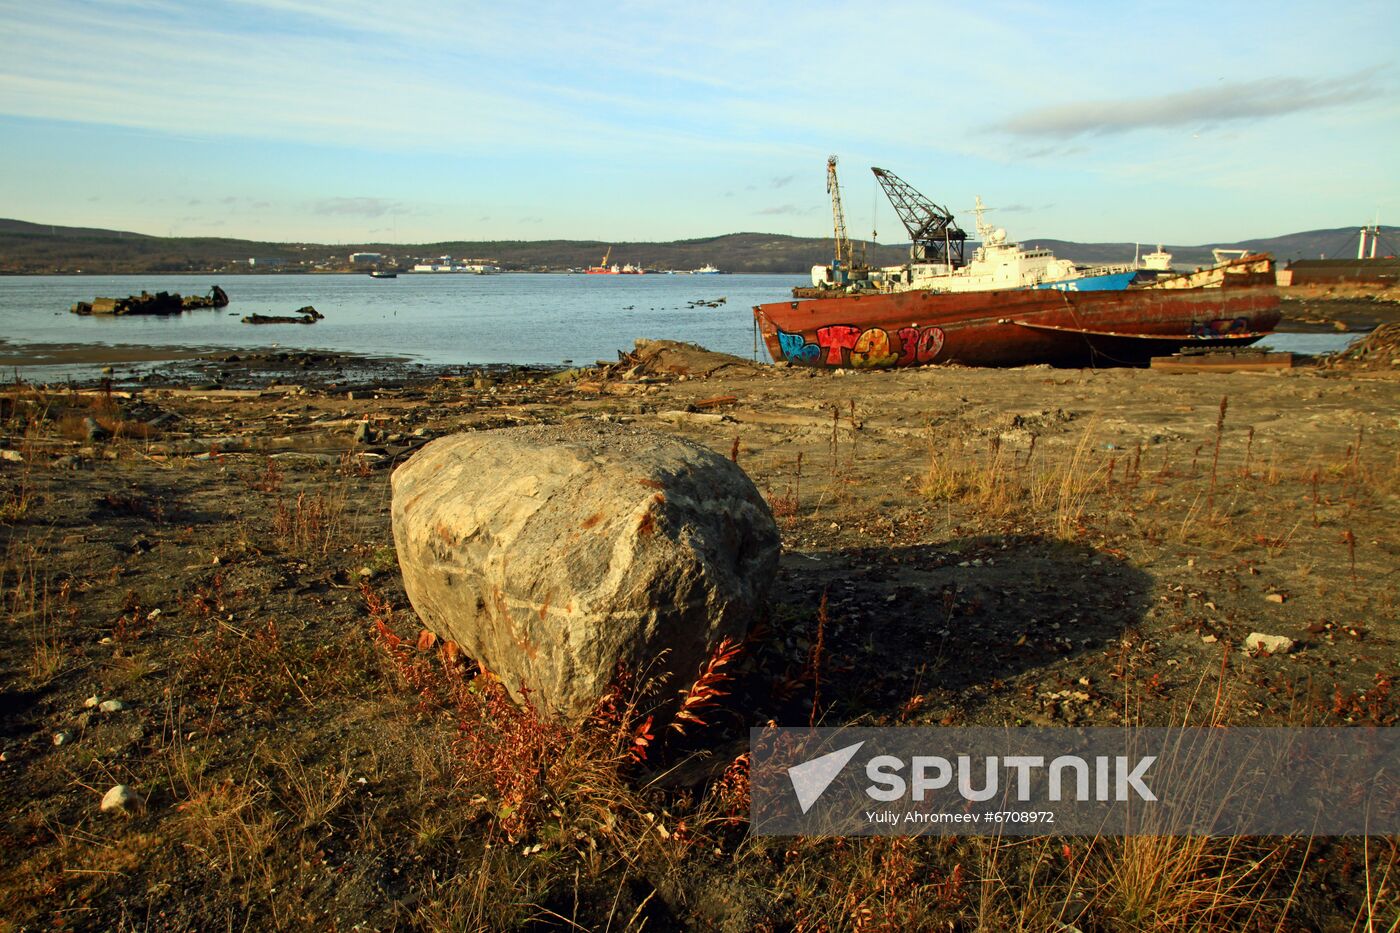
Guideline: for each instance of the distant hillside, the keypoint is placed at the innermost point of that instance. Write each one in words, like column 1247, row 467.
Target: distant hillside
column 40, row 248
column 25, row 227
column 1337, row 243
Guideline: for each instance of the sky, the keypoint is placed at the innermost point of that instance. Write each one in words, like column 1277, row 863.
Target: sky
column 360, row 121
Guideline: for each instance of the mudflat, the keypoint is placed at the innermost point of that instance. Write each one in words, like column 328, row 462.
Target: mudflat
column 961, row 546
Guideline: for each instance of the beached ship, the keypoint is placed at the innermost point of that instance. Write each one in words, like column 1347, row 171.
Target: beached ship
column 1011, row 304
column 1231, row 304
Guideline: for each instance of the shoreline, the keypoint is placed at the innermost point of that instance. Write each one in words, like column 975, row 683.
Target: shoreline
column 1302, row 315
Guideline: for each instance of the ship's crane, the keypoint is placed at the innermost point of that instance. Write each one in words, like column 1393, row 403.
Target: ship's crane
column 842, row 259
column 933, row 234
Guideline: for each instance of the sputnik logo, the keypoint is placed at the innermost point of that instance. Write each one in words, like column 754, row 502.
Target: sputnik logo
column 811, row 778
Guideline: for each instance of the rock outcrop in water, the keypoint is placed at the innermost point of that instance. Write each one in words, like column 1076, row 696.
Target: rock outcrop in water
column 552, row 553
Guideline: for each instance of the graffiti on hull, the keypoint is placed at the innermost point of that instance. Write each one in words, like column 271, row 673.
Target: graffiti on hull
column 863, row 348
column 1220, row 327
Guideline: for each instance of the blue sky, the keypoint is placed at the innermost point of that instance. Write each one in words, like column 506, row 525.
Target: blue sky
column 409, row 122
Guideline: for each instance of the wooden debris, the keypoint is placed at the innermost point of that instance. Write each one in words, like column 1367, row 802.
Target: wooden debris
column 1226, row 361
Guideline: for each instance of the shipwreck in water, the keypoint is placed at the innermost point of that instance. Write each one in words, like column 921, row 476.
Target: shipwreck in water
column 161, row 303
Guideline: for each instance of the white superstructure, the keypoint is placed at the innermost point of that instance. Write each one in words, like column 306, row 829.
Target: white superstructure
column 997, row 264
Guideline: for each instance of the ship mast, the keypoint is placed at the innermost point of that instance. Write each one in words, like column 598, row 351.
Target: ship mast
column 934, row 235
column 842, row 258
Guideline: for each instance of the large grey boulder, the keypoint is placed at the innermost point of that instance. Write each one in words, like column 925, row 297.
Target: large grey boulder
column 551, row 553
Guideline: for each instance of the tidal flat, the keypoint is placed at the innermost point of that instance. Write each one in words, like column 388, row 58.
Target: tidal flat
column 1028, row 546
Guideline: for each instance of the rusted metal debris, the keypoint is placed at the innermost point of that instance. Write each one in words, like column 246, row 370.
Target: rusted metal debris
column 306, row 315
column 161, row 303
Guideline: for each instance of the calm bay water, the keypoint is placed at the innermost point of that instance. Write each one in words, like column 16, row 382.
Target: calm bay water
column 442, row 319
column 437, row 319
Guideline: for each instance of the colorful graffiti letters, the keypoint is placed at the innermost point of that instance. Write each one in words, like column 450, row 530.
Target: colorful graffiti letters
column 1220, row 327
column 871, row 348
column 835, row 338
column 796, row 349
column 930, row 342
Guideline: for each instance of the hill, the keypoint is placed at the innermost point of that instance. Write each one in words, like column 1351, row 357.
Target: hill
column 41, row 248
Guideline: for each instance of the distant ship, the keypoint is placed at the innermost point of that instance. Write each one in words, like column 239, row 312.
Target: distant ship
column 446, row 264
column 706, row 269
column 378, row 274
column 605, row 269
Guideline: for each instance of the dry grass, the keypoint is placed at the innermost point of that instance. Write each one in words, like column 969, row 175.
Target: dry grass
column 311, row 525
column 38, row 606
column 1000, row 484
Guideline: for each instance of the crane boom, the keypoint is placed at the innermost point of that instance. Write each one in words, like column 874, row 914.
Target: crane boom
column 933, row 234
column 842, row 258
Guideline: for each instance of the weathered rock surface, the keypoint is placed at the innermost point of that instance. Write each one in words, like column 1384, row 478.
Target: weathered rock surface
column 551, row 553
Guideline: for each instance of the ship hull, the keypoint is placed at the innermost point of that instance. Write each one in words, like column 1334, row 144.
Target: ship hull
column 1013, row 328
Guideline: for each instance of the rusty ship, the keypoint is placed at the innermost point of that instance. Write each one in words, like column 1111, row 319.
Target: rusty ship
column 1018, row 327
column 936, row 312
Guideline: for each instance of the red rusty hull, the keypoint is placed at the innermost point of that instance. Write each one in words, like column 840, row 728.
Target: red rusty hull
column 1013, row 328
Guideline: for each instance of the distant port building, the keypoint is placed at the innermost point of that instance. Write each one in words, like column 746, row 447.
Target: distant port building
column 448, row 264
column 359, row 259
column 269, row 263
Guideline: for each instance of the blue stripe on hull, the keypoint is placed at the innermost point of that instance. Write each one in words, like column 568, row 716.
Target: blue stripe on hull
column 1114, row 282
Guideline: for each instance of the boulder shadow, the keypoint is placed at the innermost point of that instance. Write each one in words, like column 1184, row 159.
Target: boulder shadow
column 922, row 631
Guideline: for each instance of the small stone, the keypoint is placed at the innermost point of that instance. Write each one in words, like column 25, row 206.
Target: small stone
column 120, row 798
column 112, row 706
column 14, row 456
column 91, row 701
column 1209, row 639
column 95, row 431
column 1275, row 598
column 1259, row 643
column 62, row 738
